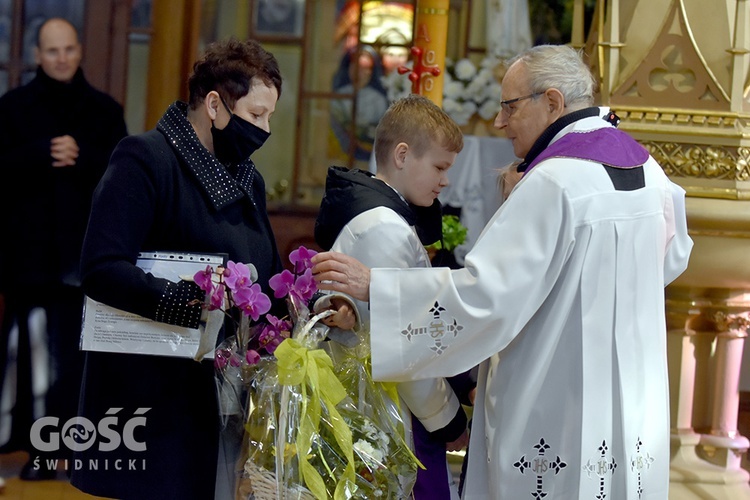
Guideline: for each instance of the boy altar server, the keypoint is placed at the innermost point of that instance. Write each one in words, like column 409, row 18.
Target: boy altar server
column 384, row 220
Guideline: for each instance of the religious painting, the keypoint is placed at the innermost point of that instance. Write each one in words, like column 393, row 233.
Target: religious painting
column 279, row 17
column 552, row 20
column 373, row 38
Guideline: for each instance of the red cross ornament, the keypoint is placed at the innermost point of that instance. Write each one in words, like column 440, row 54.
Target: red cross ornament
column 419, row 70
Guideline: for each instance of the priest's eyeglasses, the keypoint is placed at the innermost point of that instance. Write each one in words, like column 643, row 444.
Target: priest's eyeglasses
column 505, row 105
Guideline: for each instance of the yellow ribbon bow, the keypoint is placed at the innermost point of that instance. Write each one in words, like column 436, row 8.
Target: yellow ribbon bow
column 313, row 368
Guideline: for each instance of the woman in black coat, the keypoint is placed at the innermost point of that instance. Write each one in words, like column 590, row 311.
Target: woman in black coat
column 187, row 186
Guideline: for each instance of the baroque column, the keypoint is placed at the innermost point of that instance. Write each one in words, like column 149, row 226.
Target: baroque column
column 705, row 341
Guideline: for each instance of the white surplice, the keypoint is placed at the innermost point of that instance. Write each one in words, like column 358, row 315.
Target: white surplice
column 562, row 302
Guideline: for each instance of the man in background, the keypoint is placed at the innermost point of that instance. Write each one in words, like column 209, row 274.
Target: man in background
column 56, row 135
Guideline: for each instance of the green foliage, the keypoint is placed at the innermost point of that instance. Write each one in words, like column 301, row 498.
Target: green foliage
column 454, row 233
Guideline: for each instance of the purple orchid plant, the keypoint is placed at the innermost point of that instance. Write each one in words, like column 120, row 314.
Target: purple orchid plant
column 233, row 287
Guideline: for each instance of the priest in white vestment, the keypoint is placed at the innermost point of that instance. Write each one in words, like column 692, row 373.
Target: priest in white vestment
column 561, row 301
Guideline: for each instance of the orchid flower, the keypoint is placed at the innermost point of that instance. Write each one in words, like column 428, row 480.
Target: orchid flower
column 221, row 358
column 301, row 259
column 274, row 333
column 234, row 287
column 214, row 292
column 204, row 279
column 270, row 339
column 237, row 275
column 304, row 287
column 216, row 298
column 252, row 301
column 279, row 325
column 281, row 283
column 252, row 357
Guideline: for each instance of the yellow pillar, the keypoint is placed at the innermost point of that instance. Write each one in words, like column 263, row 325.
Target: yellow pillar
column 171, row 54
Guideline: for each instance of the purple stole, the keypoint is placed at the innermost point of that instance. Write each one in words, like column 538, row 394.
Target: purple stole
column 607, row 146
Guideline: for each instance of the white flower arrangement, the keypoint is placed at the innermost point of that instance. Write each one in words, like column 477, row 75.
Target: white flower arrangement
column 396, row 85
column 467, row 89
column 470, row 90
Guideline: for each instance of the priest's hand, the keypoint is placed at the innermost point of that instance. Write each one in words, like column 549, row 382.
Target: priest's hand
column 342, row 273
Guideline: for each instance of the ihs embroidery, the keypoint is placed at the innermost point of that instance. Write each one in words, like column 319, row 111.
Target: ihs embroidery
column 639, row 462
column 439, row 329
column 602, row 466
column 540, row 465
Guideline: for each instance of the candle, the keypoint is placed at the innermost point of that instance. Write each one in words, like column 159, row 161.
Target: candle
column 431, row 32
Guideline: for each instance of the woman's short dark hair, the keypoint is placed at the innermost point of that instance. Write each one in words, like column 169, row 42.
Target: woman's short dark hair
column 228, row 67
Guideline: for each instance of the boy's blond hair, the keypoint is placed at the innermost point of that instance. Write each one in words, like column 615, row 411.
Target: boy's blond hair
column 418, row 122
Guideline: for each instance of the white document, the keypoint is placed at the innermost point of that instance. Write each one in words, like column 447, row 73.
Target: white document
column 108, row 329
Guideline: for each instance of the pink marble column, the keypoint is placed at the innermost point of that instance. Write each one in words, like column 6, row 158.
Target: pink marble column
column 705, row 343
column 723, row 445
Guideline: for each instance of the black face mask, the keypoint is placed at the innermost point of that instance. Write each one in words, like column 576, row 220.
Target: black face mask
column 238, row 140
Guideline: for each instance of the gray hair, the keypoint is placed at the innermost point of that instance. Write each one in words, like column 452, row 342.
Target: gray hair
column 559, row 67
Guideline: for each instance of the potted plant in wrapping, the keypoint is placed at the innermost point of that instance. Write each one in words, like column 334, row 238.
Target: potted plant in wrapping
column 309, row 429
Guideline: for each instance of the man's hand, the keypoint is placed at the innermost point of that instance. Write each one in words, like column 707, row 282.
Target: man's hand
column 341, row 273
column 64, row 151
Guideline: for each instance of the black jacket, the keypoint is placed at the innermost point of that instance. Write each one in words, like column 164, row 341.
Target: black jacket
column 351, row 192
